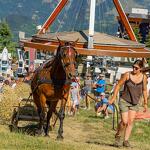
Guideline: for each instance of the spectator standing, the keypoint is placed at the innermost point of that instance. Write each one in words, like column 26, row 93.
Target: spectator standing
column 1, row 84
column 100, row 85
column 88, row 85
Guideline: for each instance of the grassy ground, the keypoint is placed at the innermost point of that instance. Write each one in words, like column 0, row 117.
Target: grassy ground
column 84, row 132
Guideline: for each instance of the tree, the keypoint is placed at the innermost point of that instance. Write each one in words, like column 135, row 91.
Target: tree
column 6, row 37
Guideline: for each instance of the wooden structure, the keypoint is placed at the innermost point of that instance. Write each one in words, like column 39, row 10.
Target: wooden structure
column 136, row 19
column 104, row 45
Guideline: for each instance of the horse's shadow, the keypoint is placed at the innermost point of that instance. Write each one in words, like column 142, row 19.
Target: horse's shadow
column 30, row 129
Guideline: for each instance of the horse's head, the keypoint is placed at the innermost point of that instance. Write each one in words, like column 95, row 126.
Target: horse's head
column 68, row 56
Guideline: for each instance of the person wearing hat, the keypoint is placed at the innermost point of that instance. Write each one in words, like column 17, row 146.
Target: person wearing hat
column 88, row 85
column 100, row 85
column 103, row 107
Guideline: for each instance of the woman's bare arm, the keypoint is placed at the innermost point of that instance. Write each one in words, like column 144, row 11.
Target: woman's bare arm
column 145, row 93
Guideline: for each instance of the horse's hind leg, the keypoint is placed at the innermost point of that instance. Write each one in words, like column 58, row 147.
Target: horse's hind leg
column 52, row 107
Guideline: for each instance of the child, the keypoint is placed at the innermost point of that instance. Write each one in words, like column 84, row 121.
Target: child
column 74, row 92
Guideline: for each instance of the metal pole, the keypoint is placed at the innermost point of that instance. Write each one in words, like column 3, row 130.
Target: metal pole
column 91, row 24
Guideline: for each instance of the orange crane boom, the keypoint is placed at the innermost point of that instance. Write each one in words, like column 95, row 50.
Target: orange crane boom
column 124, row 20
column 53, row 16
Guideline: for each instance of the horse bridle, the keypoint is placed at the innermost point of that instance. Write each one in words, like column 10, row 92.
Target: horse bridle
column 61, row 55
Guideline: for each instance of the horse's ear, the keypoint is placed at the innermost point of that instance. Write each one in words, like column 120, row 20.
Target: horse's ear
column 60, row 42
column 75, row 42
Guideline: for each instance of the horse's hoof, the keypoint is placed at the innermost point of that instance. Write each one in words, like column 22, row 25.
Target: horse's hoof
column 38, row 132
column 47, row 135
column 60, row 137
column 50, row 128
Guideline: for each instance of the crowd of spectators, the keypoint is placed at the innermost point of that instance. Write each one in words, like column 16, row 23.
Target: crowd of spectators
column 86, row 91
column 7, row 79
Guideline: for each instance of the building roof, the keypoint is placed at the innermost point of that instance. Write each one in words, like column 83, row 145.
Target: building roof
column 104, row 45
column 99, row 38
column 143, row 16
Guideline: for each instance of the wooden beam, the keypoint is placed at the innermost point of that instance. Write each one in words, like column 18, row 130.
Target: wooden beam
column 84, row 45
column 124, row 20
column 144, row 53
column 53, row 16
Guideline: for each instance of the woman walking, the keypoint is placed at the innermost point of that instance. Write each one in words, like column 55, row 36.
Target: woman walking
column 135, row 85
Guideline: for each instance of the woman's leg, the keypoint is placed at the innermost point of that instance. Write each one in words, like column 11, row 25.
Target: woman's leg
column 131, row 117
column 123, row 123
column 121, row 129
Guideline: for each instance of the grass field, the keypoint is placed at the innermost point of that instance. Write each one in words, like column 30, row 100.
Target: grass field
column 82, row 132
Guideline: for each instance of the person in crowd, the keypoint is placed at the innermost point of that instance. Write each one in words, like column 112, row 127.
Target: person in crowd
column 13, row 83
column 135, row 85
column 75, row 98
column 88, row 85
column 8, row 79
column 148, row 86
column 1, row 84
column 100, row 85
column 103, row 107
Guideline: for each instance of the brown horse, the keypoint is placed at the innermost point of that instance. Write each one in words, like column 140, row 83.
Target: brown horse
column 51, row 83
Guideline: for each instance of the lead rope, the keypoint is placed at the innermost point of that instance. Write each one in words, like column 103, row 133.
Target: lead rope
column 113, row 120
column 114, row 106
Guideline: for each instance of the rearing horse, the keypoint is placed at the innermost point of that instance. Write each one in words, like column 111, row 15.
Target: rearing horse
column 51, row 83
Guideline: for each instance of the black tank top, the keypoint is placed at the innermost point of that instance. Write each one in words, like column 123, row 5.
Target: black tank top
column 132, row 91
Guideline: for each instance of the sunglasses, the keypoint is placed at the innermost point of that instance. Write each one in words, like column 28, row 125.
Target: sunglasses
column 136, row 68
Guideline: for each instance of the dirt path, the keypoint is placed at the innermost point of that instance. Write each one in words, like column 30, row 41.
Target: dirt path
column 91, row 134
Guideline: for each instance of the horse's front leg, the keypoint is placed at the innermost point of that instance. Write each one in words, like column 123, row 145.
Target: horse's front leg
column 61, row 115
column 52, row 107
column 41, row 112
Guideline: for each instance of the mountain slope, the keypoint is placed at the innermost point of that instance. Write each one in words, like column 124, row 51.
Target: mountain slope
column 25, row 15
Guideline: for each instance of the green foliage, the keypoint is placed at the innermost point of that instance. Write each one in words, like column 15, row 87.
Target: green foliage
column 136, row 32
column 5, row 34
column 148, row 41
column 6, row 37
